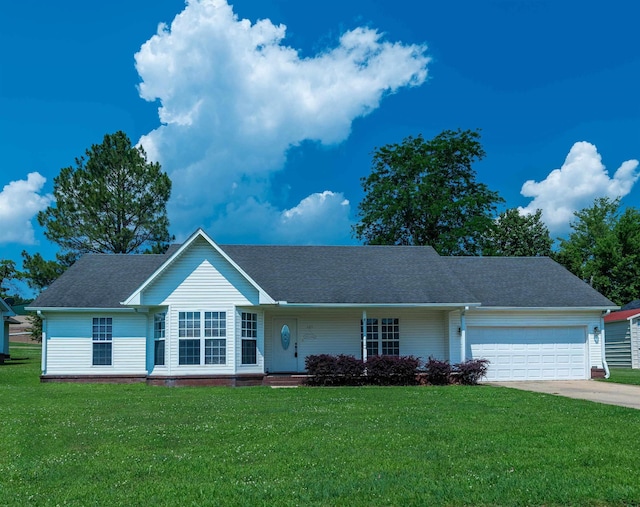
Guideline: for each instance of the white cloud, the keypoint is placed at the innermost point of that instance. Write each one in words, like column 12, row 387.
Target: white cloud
column 19, row 202
column 321, row 218
column 234, row 98
column 575, row 185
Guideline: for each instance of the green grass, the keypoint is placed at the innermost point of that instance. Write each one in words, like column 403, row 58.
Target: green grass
column 92, row 444
column 624, row 376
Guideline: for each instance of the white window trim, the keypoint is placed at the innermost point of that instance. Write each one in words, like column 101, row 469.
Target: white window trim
column 203, row 338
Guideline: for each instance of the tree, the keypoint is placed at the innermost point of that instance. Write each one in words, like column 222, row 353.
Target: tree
column 8, row 274
column 113, row 201
column 424, row 193
column 40, row 273
column 518, row 235
column 604, row 249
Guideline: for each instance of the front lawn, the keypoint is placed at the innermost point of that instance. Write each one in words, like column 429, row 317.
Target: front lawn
column 624, row 376
column 66, row 444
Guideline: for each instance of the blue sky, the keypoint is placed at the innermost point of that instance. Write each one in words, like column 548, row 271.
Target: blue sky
column 265, row 113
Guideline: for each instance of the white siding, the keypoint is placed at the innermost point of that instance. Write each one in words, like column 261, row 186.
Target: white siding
column 200, row 276
column 585, row 320
column 69, row 344
column 423, row 332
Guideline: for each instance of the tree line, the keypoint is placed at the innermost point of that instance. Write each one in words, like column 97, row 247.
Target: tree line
column 419, row 192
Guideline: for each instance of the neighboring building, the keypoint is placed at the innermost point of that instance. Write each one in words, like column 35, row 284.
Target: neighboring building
column 623, row 337
column 209, row 313
column 7, row 314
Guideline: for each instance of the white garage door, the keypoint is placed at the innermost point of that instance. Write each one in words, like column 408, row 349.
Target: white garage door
column 530, row 353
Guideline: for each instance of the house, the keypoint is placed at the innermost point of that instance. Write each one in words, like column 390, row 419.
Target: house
column 623, row 336
column 7, row 314
column 230, row 314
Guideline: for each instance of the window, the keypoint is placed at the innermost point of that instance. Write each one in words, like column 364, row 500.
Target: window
column 249, row 338
column 197, row 335
column 215, row 349
column 159, row 338
column 390, row 337
column 102, row 335
column 383, row 337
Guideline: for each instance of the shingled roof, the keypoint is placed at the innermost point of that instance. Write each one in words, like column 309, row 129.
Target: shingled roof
column 344, row 275
column 526, row 282
column 351, row 274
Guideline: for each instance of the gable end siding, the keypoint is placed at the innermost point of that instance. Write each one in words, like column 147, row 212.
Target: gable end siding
column 200, row 275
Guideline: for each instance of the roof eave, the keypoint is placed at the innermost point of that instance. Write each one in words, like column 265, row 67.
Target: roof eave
column 376, row 305
column 78, row 309
column 549, row 308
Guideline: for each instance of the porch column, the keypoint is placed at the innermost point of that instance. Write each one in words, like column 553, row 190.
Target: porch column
column 463, row 334
column 364, row 336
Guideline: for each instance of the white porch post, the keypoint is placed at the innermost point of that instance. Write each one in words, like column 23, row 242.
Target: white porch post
column 463, row 334
column 364, row 335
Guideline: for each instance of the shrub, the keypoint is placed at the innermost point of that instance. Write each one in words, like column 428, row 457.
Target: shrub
column 327, row 370
column 350, row 370
column 392, row 370
column 438, row 372
column 470, row 372
column 321, row 369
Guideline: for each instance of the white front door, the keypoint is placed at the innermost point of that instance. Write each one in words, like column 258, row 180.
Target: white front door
column 284, row 345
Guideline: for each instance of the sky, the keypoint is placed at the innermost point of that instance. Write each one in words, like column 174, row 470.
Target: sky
column 265, row 113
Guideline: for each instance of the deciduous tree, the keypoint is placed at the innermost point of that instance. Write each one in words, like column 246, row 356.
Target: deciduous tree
column 425, row 193
column 604, row 249
column 518, row 235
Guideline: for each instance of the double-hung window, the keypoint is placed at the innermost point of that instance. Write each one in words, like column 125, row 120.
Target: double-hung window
column 215, row 342
column 202, row 338
column 102, row 336
column 159, row 327
column 383, row 337
column 249, row 328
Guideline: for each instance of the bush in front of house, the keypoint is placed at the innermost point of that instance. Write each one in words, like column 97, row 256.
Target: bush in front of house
column 438, row 372
column 350, row 370
column 321, row 368
column 392, row 370
column 346, row 370
column 328, row 370
column 470, row 372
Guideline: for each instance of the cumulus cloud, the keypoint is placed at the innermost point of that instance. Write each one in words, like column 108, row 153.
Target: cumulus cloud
column 234, row 98
column 574, row 186
column 19, row 202
column 321, row 218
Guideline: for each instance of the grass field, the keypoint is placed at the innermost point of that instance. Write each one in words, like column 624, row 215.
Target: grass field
column 624, row 376
column 91, row 444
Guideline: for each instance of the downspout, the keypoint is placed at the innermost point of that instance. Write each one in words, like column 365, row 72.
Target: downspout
column 43, row 366
column 463, row 334
column 602, row 338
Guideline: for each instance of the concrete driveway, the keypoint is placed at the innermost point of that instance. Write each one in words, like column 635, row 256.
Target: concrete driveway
column 601, row 392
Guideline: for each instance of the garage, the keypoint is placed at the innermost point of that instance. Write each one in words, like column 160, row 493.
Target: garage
column 530, row 353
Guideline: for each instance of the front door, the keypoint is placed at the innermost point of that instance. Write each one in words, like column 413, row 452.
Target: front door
column 285, row 345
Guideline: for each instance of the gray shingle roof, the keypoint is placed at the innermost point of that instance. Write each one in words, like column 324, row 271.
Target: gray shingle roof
column 344, row 275
column 524, row 282
column 99, row 281
column 350, row 274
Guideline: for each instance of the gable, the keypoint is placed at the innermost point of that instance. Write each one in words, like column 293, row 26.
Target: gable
column 199, row 274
